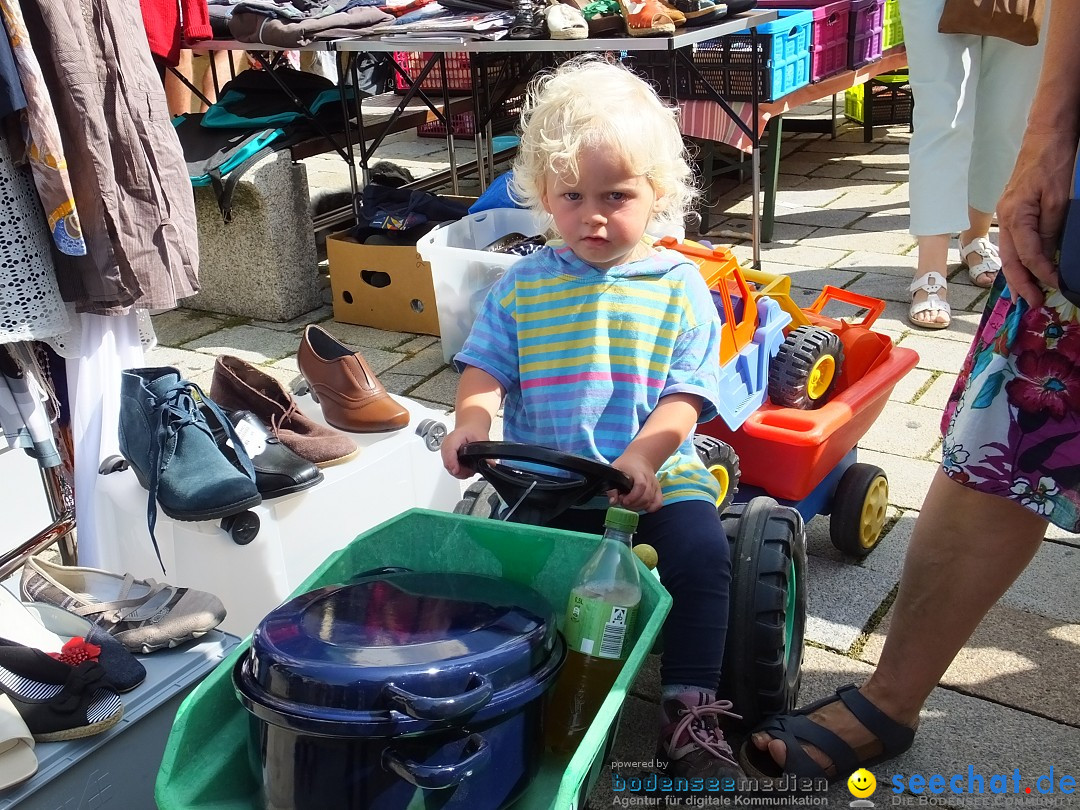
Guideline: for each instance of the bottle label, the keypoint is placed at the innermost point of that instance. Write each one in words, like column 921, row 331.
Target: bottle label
column 598, row 628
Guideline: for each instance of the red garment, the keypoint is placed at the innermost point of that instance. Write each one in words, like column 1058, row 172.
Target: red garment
column 162, row 20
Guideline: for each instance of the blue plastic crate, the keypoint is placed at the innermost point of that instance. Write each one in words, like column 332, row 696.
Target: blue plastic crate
column 783, row 48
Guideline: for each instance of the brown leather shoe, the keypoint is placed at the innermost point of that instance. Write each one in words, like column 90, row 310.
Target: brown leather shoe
column 238, row 386
column 350, row 395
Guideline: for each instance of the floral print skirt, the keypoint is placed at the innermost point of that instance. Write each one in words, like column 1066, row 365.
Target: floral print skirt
column 1012, row 424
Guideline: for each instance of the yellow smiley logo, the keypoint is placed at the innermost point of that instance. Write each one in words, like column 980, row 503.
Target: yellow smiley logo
column 862, row 783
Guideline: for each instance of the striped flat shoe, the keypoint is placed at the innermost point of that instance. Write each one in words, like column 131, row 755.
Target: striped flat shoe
column 56, row 701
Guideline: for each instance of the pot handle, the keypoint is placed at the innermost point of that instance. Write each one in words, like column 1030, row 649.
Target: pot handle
column 442, row 708
column 477, row 755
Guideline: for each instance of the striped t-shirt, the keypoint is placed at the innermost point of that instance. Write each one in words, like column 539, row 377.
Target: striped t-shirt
column 584, row 355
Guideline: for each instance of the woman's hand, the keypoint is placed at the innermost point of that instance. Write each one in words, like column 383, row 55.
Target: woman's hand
column 1032, row 212
column 458, row 438
column 645, row 495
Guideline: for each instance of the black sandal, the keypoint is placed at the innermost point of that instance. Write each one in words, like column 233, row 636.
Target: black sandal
column 57, row 701
column 796, row 730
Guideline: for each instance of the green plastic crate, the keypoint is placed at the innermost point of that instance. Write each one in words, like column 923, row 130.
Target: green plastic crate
column 891, row 99
column 206, row 760
column 892, row 33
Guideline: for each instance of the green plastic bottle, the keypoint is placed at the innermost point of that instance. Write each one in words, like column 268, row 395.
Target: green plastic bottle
column 598, row 627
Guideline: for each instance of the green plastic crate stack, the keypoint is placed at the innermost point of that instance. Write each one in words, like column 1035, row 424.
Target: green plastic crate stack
column 893, row 33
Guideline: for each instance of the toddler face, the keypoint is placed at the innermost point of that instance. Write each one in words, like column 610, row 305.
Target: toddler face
column 603, row 216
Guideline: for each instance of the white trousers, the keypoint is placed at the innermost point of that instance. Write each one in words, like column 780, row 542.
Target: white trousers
column 972, row 96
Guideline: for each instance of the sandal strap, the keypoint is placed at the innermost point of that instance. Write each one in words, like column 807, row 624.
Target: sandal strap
column 796, row 730
column 893, row 735
column 979, row 245
column 931, row 282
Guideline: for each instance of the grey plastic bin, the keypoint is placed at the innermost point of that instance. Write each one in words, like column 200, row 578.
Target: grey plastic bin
column 116, row 770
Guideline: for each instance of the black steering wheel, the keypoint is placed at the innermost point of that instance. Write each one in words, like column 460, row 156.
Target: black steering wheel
column 541, row 494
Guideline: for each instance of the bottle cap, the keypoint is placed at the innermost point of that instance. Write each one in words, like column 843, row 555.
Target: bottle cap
column 621, row 519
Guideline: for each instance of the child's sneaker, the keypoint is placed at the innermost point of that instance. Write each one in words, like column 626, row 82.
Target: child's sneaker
column 691, row 740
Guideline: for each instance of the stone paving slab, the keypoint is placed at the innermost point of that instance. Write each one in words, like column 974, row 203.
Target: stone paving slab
column 1014, row 658
column 936, row 354
column 911, row 384
column 179, row 326
column 253, row 344
column 841, row 599
column 956, row 731
column 904, row 429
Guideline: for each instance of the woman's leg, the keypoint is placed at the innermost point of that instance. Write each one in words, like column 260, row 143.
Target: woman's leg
column 940, row 150
column 1007, row 77
column 966, row 550
column 933, row 258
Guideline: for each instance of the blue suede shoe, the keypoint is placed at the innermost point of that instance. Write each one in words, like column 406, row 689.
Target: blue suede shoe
column 171, row 449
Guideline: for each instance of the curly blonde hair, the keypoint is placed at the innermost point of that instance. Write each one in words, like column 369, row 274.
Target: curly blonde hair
column 588, row 102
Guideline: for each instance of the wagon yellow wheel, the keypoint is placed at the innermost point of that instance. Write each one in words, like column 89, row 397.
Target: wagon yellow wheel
column 860, row 508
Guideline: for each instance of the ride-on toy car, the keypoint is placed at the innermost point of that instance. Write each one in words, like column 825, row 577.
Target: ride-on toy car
column 763, row 655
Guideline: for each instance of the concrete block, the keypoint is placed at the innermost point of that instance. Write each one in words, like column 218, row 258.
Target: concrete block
column 262, row 263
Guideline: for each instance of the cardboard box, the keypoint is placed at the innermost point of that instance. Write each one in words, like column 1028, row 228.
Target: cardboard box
column 387, row 287
column 384, row 286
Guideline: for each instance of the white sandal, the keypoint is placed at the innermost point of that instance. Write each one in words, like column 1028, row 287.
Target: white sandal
column 991, row 260
column 565, row 21
column 931, row 283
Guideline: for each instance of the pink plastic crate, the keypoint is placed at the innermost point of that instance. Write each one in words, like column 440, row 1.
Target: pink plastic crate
column 458, row 78
column 828, row 34
column 865, row 32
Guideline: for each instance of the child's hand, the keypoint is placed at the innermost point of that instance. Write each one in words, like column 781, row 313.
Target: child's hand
column 458, row 438
column 645, row 495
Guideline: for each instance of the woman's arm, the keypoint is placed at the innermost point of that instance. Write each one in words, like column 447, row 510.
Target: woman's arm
column 1032, row 210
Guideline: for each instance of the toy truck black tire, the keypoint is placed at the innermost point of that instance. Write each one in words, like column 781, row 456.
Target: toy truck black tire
column 796, row 373
column 722, row 462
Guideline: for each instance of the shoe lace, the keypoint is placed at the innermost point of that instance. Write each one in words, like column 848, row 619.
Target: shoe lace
column 277, row 422
column 700, row 723
column 176, row 408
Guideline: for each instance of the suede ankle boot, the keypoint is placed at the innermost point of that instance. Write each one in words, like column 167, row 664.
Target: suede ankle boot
column 166, row 440
column 240, row 386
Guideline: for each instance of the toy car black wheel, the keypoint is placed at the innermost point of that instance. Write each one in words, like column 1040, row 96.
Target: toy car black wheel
column 763, row 655
column 243, row 527
column 722, row 462
column 860, row 507
column 805, row 371
column 479, row 500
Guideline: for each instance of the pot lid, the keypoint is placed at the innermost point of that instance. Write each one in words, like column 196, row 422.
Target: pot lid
column 433, row 646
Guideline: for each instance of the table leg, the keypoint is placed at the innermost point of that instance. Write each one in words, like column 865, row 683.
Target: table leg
column 774, row 130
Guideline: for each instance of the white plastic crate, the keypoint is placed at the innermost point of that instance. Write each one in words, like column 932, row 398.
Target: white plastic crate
column 462, row 272
column 393, row 472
